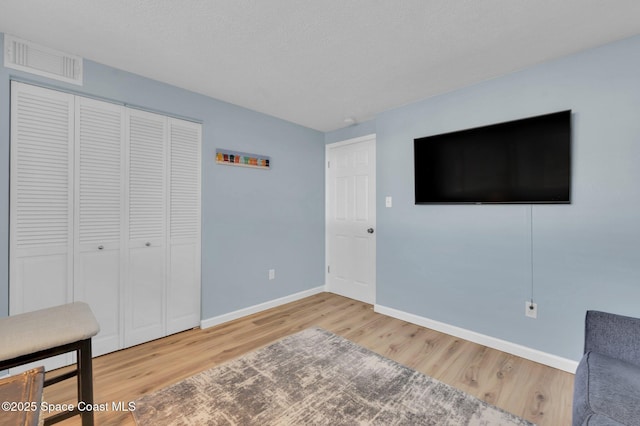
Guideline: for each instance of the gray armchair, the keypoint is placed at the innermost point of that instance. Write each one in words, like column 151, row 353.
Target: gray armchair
column 607, row 382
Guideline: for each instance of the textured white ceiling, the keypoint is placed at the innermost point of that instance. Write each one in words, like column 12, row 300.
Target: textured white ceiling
column 317, row 62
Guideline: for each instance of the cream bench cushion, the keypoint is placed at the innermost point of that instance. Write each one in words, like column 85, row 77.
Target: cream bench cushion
column 35, row 331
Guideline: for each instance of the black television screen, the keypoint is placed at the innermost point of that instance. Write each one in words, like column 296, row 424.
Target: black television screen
column 521, row 161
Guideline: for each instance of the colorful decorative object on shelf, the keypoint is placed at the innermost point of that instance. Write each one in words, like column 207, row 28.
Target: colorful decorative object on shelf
column 242, row 159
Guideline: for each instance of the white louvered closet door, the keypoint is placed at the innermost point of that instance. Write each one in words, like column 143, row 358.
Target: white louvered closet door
column 183, row 287
column 145, row 292
column 99, row 216
column 41, row 197
column 104, row 208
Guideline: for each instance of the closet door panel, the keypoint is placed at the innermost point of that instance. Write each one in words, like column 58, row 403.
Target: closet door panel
column 100, row 275
column 99, row 216
column 183, row 302
column 145, row 295
column 41, row 196
column 42, row 290
column 41, row 202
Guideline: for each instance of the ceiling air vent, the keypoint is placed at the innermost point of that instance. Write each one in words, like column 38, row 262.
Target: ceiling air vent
column 26, row 56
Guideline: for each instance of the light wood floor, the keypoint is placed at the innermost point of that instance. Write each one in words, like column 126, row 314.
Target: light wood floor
column 538, row 393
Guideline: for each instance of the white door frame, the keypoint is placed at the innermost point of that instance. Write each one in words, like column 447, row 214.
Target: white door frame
column 328, row 147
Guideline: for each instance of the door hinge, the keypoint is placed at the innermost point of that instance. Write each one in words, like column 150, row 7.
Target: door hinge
column 328, row 269
column 328, row 164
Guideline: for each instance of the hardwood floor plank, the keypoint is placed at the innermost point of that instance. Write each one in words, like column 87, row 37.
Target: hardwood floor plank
column 496, row 375
column 538, row 393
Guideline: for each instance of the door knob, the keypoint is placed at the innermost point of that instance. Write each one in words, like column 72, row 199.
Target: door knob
column 100, row 247
column 148, row 244
column 370, row 230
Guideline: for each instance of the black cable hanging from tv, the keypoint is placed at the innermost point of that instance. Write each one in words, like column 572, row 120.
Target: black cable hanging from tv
column 531, row 252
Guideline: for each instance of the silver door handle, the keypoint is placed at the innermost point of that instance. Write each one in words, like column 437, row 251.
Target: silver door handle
column 370, row 230
column 100, row 247
column 148, row 244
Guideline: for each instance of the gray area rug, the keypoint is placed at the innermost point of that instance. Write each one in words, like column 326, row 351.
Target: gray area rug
column 315, row 378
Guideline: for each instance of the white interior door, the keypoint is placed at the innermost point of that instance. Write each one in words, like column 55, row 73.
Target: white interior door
column 351, row 218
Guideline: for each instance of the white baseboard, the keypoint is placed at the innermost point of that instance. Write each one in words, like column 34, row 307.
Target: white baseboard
column 482, row 339
column 220, row 319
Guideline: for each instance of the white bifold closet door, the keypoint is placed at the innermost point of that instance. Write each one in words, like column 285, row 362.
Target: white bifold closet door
column 183, row 288
column 104, row 208
column 145, row 295
column 99, row 216
column 41, row 202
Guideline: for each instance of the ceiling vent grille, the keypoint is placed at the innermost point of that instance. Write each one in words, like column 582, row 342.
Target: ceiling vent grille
column 26, row 56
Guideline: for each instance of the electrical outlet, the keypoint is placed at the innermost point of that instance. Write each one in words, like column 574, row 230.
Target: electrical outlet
column 531, row 309
column 272, row 274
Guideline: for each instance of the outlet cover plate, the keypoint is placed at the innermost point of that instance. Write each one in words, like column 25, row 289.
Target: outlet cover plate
column 528, row 311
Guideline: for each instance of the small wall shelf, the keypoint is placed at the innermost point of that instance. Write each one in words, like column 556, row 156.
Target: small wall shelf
column 242, row 159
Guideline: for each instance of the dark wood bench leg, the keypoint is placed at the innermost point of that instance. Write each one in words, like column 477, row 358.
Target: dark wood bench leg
column 85, row 381
column 83, row 371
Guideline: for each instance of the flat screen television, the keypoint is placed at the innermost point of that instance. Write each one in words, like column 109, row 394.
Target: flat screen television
column 522, row 161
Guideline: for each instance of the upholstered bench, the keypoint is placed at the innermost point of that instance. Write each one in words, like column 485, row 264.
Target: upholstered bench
column 34, row 336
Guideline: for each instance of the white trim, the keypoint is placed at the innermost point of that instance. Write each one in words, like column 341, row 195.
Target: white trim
column 535, row 355
column 350, row 141
column 220, row 319
column 46, row 85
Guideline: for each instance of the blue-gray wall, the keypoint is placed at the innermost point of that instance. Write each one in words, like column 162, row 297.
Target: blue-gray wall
column 469, row 265
column 252, row 220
